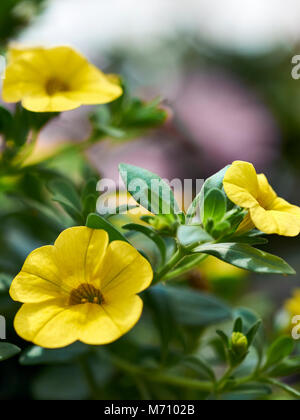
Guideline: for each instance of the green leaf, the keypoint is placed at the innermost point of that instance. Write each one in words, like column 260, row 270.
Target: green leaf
column 39, row 356
column 284, row 387
column 24, row 121
column 5, row 282
column 238, row 325
column 251, row 323
column 224, row 338
column 220, row 229
column 189, row 235
column 127, row 117
column 66, row 195
column 214, row 182
column 89, row 205
column 6, row 121
column 71, row 382
column 279, row 350
column 253, row 332
column 149, row 190
column 200, row 366
column 192, row 210
column 90, row 188
column 62, row 189
column 7, row 351
column 247, row 392
column 290, row 366
column 214, row 206
column 249, row 318
column 95, row 221
column 250, row 238
column 162, row 312
column 197, row 309
column 151, row 234
column 61, row 383
column 244, row 256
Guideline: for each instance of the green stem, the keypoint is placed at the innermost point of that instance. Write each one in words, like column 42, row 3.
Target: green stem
column 179, row 271
column 89, row 378
column 283, row 386
column 224, row 378
column 26, row 150
column 174, row 260
column 164, row 378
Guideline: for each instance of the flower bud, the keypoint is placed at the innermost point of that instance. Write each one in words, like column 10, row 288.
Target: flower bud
column 239, row 343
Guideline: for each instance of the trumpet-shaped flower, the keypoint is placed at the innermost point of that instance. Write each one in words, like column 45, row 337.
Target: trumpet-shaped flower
column 267, row 212
column 55, row 80
column 82, row 288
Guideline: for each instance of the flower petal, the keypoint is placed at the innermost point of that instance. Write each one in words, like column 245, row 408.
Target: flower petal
column 282, row 205
column 79, row 254
column 124, row 271
column 46, row 324
column 266, row 195
column 21, row 80
column 52, row 324
column 241, row 184
column 91, row 86
column 45, row 103
column 39, row 279
column 275, row 222
column 246, row 225
column 108, row 322
column 293, row 304
column 30, row 70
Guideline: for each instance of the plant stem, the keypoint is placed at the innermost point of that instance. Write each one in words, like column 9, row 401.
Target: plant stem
column 224, row 378
column 164, row 378
column 89, row 378
column 179, row 271
column 174, row 260
column 283, row 386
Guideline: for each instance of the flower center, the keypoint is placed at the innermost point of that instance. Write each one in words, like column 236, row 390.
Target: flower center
column 54, row 86
column 85, row 293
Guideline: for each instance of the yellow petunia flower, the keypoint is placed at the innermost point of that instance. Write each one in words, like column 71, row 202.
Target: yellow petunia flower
column 267, row 212
column 55, row 80
column 82, row 288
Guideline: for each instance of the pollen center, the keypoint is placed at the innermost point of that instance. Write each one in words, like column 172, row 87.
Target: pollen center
column 54, row 86
column 86, row 293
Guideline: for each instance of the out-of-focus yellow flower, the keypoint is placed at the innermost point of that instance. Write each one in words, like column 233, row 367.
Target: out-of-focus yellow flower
column 219, row 277
column 293, row 305
column 55, row 80
column 133, row 215
column 267, row 211
column 212, row 268
column 82, row 288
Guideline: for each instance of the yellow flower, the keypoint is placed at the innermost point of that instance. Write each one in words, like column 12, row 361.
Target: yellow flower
column 82, row 288
column 293, row 305
column 55, row 80
column 267, row 212
column 213, row 268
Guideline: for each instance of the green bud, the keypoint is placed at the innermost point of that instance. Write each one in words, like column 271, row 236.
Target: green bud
column 239, row 343
column 164, row 223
